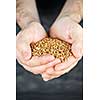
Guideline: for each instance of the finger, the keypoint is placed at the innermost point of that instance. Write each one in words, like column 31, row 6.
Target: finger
column 50, row 78
column 39, row 69
column 57, row 74
column 47, row 77
column 42, row 68
column 24, row 65
column 50, row 70
column 70, row 67
column 77, row 49
column 27, row 68
column 66, row 64
column 36, row 61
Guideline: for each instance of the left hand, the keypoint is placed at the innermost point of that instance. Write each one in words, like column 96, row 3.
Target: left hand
column 35, row 64
column 68, row 30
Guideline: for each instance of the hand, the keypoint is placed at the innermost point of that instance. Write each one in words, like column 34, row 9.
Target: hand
column 68, row 30
column 33, row 33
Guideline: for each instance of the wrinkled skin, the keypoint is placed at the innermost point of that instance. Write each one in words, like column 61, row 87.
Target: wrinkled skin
column 65, row 29
column 37, row 65
column 69, row 31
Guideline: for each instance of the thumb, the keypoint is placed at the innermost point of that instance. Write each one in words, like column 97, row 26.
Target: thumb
column 77, row 36
column 26, row 51
column 77, row 49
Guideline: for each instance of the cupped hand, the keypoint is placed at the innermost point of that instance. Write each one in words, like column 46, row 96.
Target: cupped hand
column 68, row 30
column 33, row 33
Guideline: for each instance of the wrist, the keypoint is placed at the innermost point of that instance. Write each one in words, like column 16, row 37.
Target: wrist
column 74, row 16
column 25, row 19
column 73, row 9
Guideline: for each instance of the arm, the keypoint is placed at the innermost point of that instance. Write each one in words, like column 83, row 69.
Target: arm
column 26, row 12
column 32, row 31
column 66, row 28
column 73, row 9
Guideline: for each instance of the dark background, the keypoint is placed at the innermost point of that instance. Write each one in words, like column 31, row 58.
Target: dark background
column 32, row 87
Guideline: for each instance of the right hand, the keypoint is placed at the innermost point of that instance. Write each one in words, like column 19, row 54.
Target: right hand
column 69, row 31
column 37, row 65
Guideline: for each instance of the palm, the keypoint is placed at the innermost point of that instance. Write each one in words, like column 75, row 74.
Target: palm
column 33, row 33
column 69, row 31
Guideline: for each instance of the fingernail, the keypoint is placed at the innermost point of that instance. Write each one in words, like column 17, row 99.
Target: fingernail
column 58, row 60
column 45, row 79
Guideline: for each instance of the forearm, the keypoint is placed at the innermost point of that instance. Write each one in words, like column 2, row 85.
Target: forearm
column 26, row 12
column 73, row 9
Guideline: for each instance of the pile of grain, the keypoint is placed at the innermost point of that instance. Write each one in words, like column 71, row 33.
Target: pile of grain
column 55, row 47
